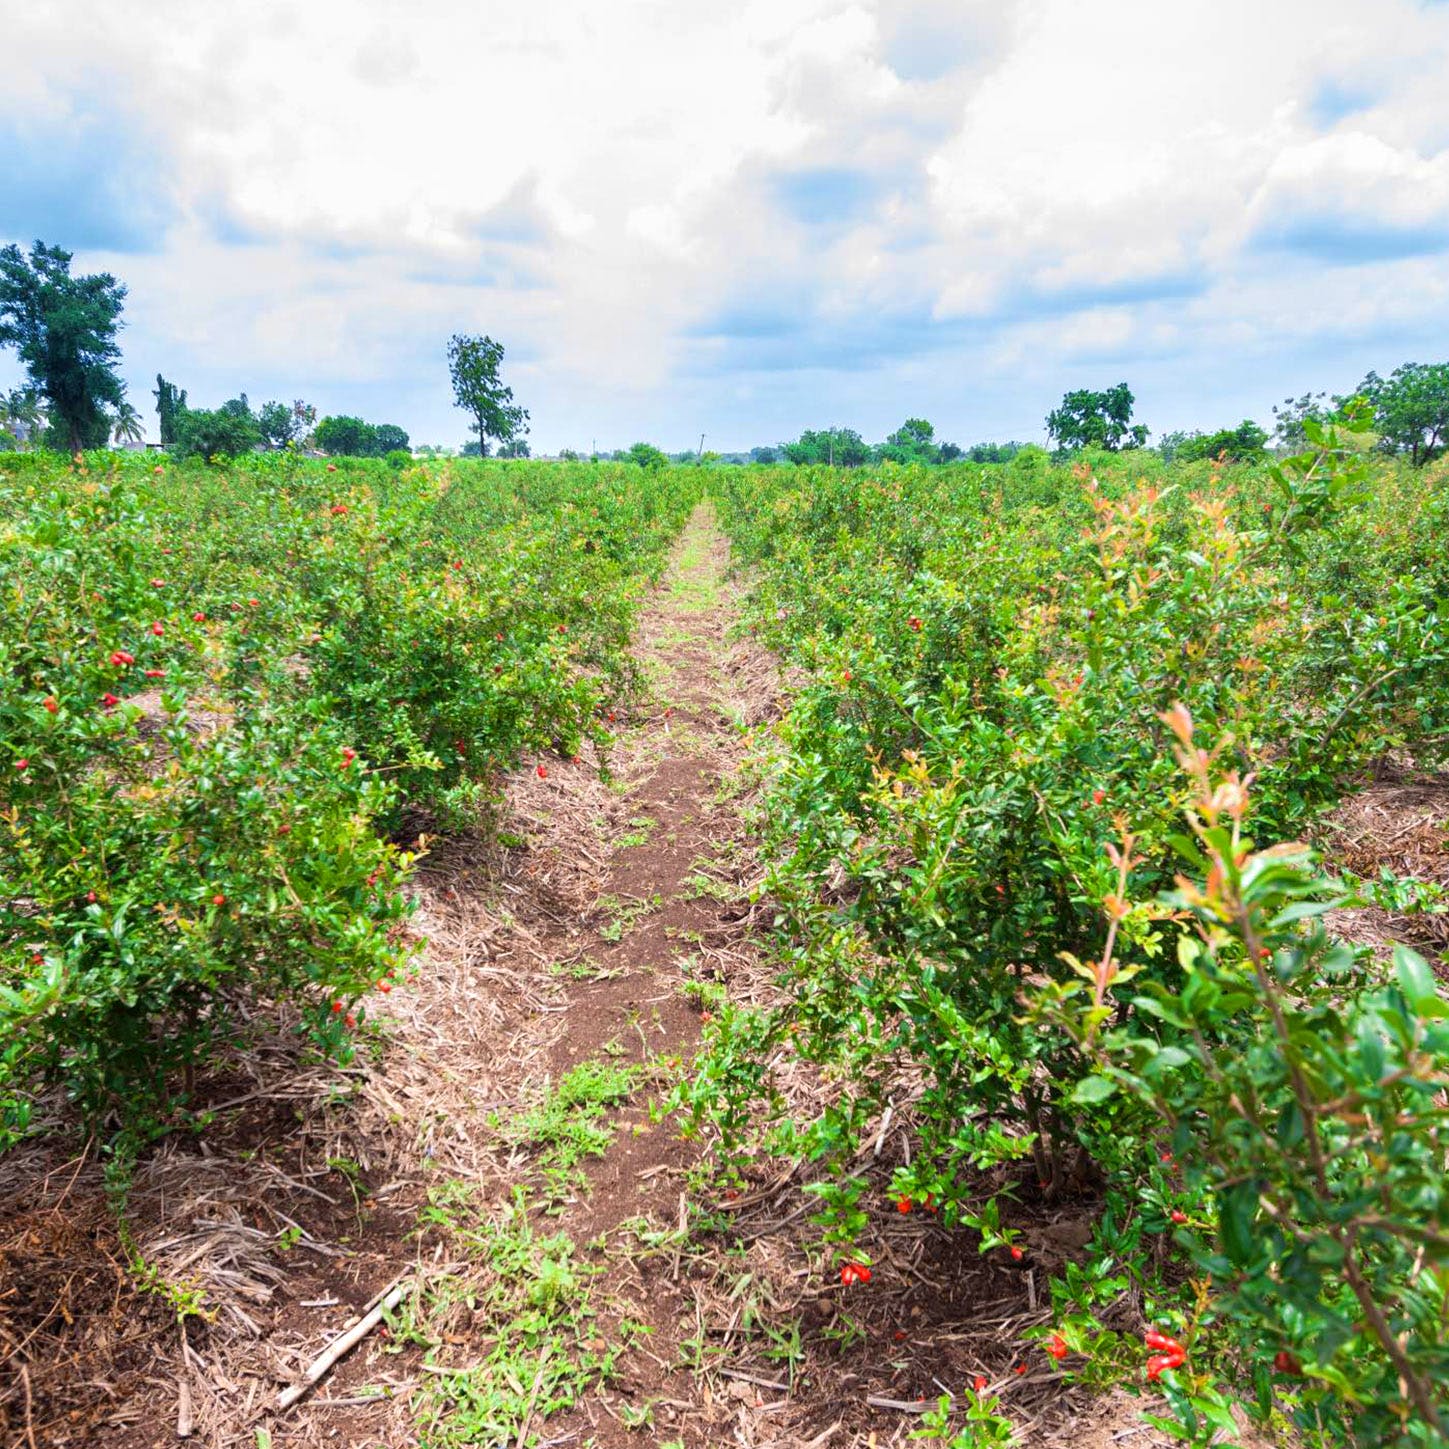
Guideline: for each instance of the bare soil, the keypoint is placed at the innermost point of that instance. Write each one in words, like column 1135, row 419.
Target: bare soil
column 628, row 883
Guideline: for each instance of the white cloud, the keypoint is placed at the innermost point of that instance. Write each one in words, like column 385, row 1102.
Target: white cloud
column 602, row 184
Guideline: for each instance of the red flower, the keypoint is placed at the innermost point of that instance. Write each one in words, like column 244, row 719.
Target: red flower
column 543, row 772
column 1178, row 1216
column 1165, row 1157
column 1287, row 1363
column 218, row 899
column 979, row 1382
column 109, row 701
column 1019, row 1370
column 845, row 675
column 198, row 617
column 91, row 897
column 338, row 508
column 119, row 657
column 254, row 603
column 457, row 567
column 155, row 674
column 915, row 623
column 348, row 756
column 158, row 583
column 903, row 1204
column 22, row 764
column 900, row 1335
column 336, row 1008
column 384, row 986
column 332, row 467
column 563, row 628
column 854, row 1273
column 158, row 628
column 1171, row 1354
column 51, row 704
column 1057, row 1346
column 1015, row 1253
column 36, row 959
column 349, row 1020
column 1098, row 796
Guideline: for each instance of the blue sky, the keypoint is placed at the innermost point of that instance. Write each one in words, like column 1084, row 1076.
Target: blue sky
column 751, row 217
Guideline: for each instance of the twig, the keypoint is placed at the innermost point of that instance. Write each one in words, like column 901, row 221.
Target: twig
column 756, row 1379
column 334, row 1351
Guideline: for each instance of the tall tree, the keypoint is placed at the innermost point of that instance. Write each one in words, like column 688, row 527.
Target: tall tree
column 64, row 329
column 1089, row 419
column 473, row 364
column 1411, row 409
column 170, row 404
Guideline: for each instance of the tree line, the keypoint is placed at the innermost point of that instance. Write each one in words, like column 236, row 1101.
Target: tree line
column 64, row 331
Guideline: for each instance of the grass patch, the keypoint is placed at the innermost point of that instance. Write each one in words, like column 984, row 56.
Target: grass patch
column 567, row 1125
column 526, row 1314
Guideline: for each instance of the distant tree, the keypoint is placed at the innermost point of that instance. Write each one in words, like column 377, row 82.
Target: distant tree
column 222, row 432
column 1242, row 444
column 169, row 405
column 835, row 447
column 766, row 457
column 127, row 425
column 282, row 423
column 993, row 452
column 473, row 364
column 567, row 455
column 648, row 457
column 389, row 438
column 1289, row 420
column 514, row 448
column 346, row 437
column 473, row 449
column 1089, row 419
column 64, row 330
column 1411, row 409
column 949, row 452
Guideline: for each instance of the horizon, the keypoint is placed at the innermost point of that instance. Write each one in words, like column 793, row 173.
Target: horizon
column 751, row 222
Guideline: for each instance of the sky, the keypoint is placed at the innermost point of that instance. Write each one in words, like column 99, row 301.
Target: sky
column 743, row 218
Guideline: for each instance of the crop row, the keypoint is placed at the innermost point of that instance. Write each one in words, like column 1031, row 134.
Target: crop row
column 230, row 695
column 1048, row 710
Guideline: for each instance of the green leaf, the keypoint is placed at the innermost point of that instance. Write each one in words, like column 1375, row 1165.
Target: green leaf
column 1416, row 980
column 1093, row 1089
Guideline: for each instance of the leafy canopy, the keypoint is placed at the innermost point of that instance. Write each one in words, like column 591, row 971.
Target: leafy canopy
column 473, row 366
column 1411, row 409
column 224, row 432
column 64, row 329
column 1088, row 419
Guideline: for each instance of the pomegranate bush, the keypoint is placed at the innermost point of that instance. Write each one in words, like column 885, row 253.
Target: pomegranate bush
column 993, row 652
column 225, row 691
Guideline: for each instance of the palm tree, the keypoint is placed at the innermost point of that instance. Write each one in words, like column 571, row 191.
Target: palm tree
column 127, row 424
column 20, row 407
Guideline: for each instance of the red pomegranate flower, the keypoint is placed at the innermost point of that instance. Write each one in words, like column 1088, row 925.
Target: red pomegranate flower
column 120, row 658
column 1056, row 1345
column 22, row 764
column 155, row 674
column 349, row 1020
column 218, row 899
column 543, row 772
column 1016, row 1254
column 903, row 1204
column 854, row 1273
column 979, row 1382
column 51, row 704
column 198, row 617
column 158, row 628
column 1098, row 796
column 109, row 701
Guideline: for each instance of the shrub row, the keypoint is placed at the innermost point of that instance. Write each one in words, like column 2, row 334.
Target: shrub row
column 976, row 829
column 227, row 691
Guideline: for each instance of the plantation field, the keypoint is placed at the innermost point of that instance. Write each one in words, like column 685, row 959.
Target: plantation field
column 763, row 955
